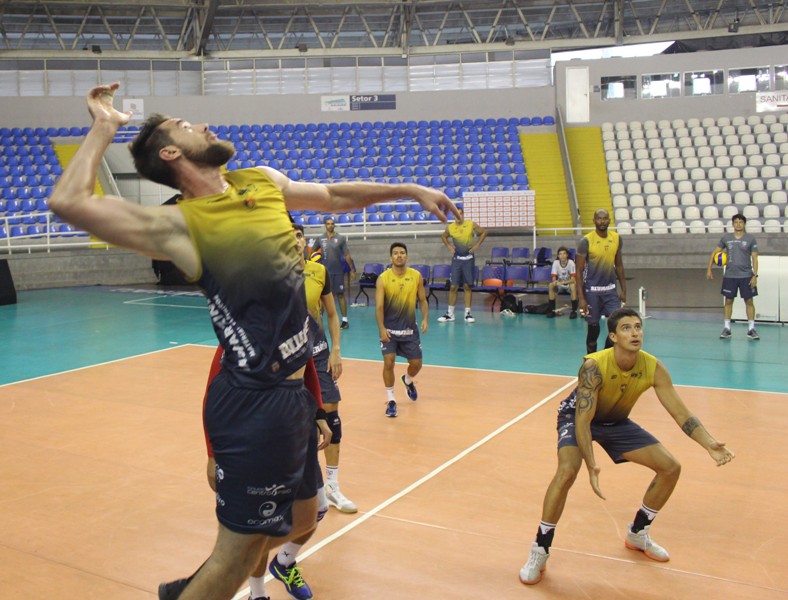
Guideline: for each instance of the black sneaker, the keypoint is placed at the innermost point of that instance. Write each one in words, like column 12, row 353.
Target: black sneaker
column 344, row 325
column 573, row 314
column 411, row 387
column 726, row 334
column 550, row 314
column 173, row 589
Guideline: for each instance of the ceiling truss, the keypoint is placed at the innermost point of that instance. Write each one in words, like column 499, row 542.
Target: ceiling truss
column 260, row 27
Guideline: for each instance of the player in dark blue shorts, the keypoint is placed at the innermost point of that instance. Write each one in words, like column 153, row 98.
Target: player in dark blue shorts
column 609, row 384
column 396, row 293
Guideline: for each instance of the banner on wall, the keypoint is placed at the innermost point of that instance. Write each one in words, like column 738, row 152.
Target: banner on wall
column 515, row 208
column 358, row 102
column 771, row 101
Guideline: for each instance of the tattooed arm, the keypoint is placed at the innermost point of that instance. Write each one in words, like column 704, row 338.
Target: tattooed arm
column 589, row 381
column 688, row 422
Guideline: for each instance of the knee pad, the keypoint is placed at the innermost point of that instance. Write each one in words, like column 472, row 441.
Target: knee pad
column 335, row 424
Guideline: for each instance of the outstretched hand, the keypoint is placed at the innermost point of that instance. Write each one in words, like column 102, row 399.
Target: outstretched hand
column 100, row 105
column 593, row 475
column 437, row 203
column 720, row 453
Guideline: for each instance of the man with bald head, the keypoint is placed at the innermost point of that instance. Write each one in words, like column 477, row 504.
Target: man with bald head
column 599, row 265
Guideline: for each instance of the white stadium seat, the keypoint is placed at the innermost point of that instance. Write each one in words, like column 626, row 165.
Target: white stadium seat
column 719, row 185
column 705, row 198
column 678, row 227
column 724, row 198
column 710, row 212
column 771, row 226
column 697, row 227
column 741, row 198
column 729, row 211
column 659, row 227
column 655, row 213
column 691, row 212
column 716, row 226
column 754, row 226
column 780, row 197
column 771, row 211
column 670, row 200
column 674, row 213
column 702, row 186
column 642, row 228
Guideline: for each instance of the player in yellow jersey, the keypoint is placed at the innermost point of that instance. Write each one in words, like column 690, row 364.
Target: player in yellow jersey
column 396, row 292
column 231, row 233
column 466, row 237
column 599, row 263
column 609, row 384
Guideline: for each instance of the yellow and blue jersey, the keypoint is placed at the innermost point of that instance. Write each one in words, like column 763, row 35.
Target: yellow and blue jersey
column 599, row 274
column 251, row 274
column 401, row 293
column 462, row 236
column 621, row 389
column 317, row 285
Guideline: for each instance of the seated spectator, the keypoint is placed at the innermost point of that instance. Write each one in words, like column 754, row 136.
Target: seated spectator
column 563, row 280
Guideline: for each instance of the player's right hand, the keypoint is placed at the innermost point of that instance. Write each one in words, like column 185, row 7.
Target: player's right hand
column 593, row 475
column 100, row 105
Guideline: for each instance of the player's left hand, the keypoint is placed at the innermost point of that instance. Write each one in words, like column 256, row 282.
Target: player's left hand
column 593, row 475
column 335, row 364
column 323, row 434
column 721, row 454
column 424, row 325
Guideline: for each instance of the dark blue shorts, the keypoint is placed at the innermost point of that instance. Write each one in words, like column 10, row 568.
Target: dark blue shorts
column 601, row 303
column 328, row 387
column 741, row 285
column 615, row 438
column 265, row 445
column 408, row 349
column 337, row 283
column 462, row 271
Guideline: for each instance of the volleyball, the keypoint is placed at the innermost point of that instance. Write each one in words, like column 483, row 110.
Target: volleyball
column 316, row 255
column 720, row 258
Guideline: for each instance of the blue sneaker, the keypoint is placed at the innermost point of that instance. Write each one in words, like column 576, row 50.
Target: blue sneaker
column 411, row 387
column 391, row 409
column 291, row 578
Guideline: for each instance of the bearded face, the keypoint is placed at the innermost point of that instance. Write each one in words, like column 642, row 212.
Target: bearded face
column 216, row 154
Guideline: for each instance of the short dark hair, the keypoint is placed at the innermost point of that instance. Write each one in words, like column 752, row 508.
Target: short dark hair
column 298, row 227
column 145, row 151
column 564, row 248
column 739, row 216
column 618, row 314
column 398, row 245
column 327, row 219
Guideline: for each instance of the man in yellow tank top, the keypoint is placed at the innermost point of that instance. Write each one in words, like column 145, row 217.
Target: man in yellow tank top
column 466, row 237
column 609, row 384
column 231, row 233
column 396, row 292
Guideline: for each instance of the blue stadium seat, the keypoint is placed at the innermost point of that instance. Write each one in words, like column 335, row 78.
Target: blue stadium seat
column 548, row 120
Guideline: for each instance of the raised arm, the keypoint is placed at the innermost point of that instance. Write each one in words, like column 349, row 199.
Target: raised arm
column 345, row 196
column 589, row 381
column 689, row 423
column 380, row 300
column 335, row 357
column 159, row 232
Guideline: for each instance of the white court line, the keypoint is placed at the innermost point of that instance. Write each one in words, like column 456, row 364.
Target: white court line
column 109, row 362
column 147, row 302
column 368, row 515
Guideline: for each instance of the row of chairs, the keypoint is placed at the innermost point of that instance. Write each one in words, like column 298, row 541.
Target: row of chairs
column 541, row 256
column 493, row 279
column 708, row 213
column 705, row 122
column 698, row 226
column 39, row 231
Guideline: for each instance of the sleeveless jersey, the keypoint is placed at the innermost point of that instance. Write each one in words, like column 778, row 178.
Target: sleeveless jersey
column 250, row 272
column 317, row 285
column 621, row 389
column 399, row 311
column 599, row 274
column 462, row 236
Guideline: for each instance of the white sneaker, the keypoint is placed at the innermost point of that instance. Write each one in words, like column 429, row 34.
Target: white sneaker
column 469, row 318
column 642, row 542
column 531, row 572
column 337, row 499
column 446, row 318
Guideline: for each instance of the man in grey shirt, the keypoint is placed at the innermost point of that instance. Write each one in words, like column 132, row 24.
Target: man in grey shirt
column 741, row 273
column 333, row 247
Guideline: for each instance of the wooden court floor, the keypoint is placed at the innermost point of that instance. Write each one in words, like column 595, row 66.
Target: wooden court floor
column 104, row 492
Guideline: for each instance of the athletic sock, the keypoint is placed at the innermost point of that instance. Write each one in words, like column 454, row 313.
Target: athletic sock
column 408, row 379
column 287, row 554
column 257, row 587
column 344, row 319
column 727, row 323
column 467, row 310
column 390, row 393
column 332, row 475
column 449, row 310
column 544, row 535
column 750, row 325
column 643, row 518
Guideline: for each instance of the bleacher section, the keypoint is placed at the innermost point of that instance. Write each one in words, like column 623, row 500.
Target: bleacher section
column 679, row 177
column 543, row 160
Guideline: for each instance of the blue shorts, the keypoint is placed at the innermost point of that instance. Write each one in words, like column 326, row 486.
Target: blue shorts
column 408, row 349
column 741, row 285
column 328, row 387
column 337, row 283
column 462, row 270
column 615, row 438
column 601, row 303
column 265, row 445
